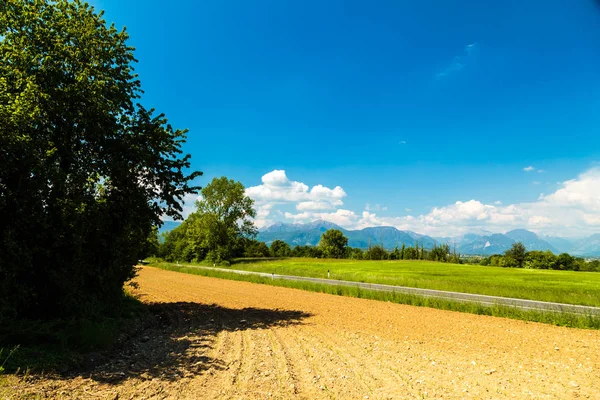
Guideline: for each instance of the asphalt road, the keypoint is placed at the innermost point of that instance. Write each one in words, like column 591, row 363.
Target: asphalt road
column 440, row 294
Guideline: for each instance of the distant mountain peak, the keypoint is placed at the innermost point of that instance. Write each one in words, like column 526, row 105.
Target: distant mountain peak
column 478, row 241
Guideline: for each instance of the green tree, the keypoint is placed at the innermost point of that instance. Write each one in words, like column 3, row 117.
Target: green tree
column 402, row 251
column 279, row 248
column 356, row 253
column 152, row 244
column 224, row 214
column 254, row 248
column 376, row 252
column 333, row 244
column 439, row 253
column 395, row 254
column 564, row 261
column 516, row 254
column 411, row 253
column 85, row 172
column 540, row 259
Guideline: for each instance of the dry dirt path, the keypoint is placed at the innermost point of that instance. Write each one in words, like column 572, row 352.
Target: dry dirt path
column 226, row 339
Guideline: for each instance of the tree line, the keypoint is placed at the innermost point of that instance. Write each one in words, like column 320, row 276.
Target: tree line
column 221, row 229
column 518, row 257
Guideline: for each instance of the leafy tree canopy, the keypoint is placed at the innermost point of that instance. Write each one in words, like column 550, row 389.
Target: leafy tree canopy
column 279, row 248
column 85, row 171
column 333, row 244
column 217, row 229
column 516, row 254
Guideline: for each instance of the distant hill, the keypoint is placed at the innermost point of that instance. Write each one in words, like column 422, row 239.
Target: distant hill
column 562, row 245
column 530, row 240
column 496, row 243
column 479, row 242
column 589, row 246
column 310, row 234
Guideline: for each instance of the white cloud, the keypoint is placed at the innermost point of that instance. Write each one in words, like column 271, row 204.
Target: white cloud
column 459, row 62
column 471, row 47
column 314, row 205
column 375, row 207
column 571, row 210
column 344, row 218
column 276, row 188
column 529, row 169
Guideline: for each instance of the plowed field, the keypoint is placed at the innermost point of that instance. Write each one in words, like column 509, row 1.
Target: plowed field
column 215, row 338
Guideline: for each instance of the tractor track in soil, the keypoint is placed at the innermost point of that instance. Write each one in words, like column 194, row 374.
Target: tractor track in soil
column 214, row 338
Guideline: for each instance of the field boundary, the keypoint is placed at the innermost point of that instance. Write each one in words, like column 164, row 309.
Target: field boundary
column 486, row 300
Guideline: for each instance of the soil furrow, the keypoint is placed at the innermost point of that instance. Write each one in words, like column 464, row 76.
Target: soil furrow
column 222, row 339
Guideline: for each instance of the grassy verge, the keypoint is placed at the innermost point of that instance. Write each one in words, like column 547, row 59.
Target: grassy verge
column 60, row 344
column 553, row 318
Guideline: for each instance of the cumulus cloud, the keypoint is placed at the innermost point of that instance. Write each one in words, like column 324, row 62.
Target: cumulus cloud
column 278, row 189
column 344, row 218
column 573, row 209
column 529, row 169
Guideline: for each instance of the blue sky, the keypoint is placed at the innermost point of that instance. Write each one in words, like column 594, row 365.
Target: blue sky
column 412, row 106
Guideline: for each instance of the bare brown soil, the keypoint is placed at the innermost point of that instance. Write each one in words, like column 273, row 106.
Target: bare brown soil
column 215, row 338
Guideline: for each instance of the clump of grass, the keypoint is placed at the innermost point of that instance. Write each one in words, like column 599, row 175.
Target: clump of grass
column 10, row 353
column 59, row 344
column 554, row 318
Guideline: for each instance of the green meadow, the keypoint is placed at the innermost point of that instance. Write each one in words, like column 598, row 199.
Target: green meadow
column 545, row 285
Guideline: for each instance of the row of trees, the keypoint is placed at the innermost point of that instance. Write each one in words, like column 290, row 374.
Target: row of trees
column 222, row 229
column 518, row 257
column 205, row 236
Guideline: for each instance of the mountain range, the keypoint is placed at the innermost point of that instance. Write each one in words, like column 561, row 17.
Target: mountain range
column 478, row 242
column 310, row 233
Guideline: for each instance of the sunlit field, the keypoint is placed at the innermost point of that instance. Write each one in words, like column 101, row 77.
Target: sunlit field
column 544, row 285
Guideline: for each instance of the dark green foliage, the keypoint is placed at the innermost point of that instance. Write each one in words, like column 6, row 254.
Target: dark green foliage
column 376, row 252
column 410, row 253
column 219, row 230
column 516, row 255
column 279, row 248
column 543, row 260
column 333, row 244
column 84, row 171
column 307, row 251
column 354, row 253
column 395, row 254
column 254, row 248
column 440, row 253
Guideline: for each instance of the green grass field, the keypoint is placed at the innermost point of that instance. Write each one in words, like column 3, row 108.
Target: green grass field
column 553, row 318
column 545, row 285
